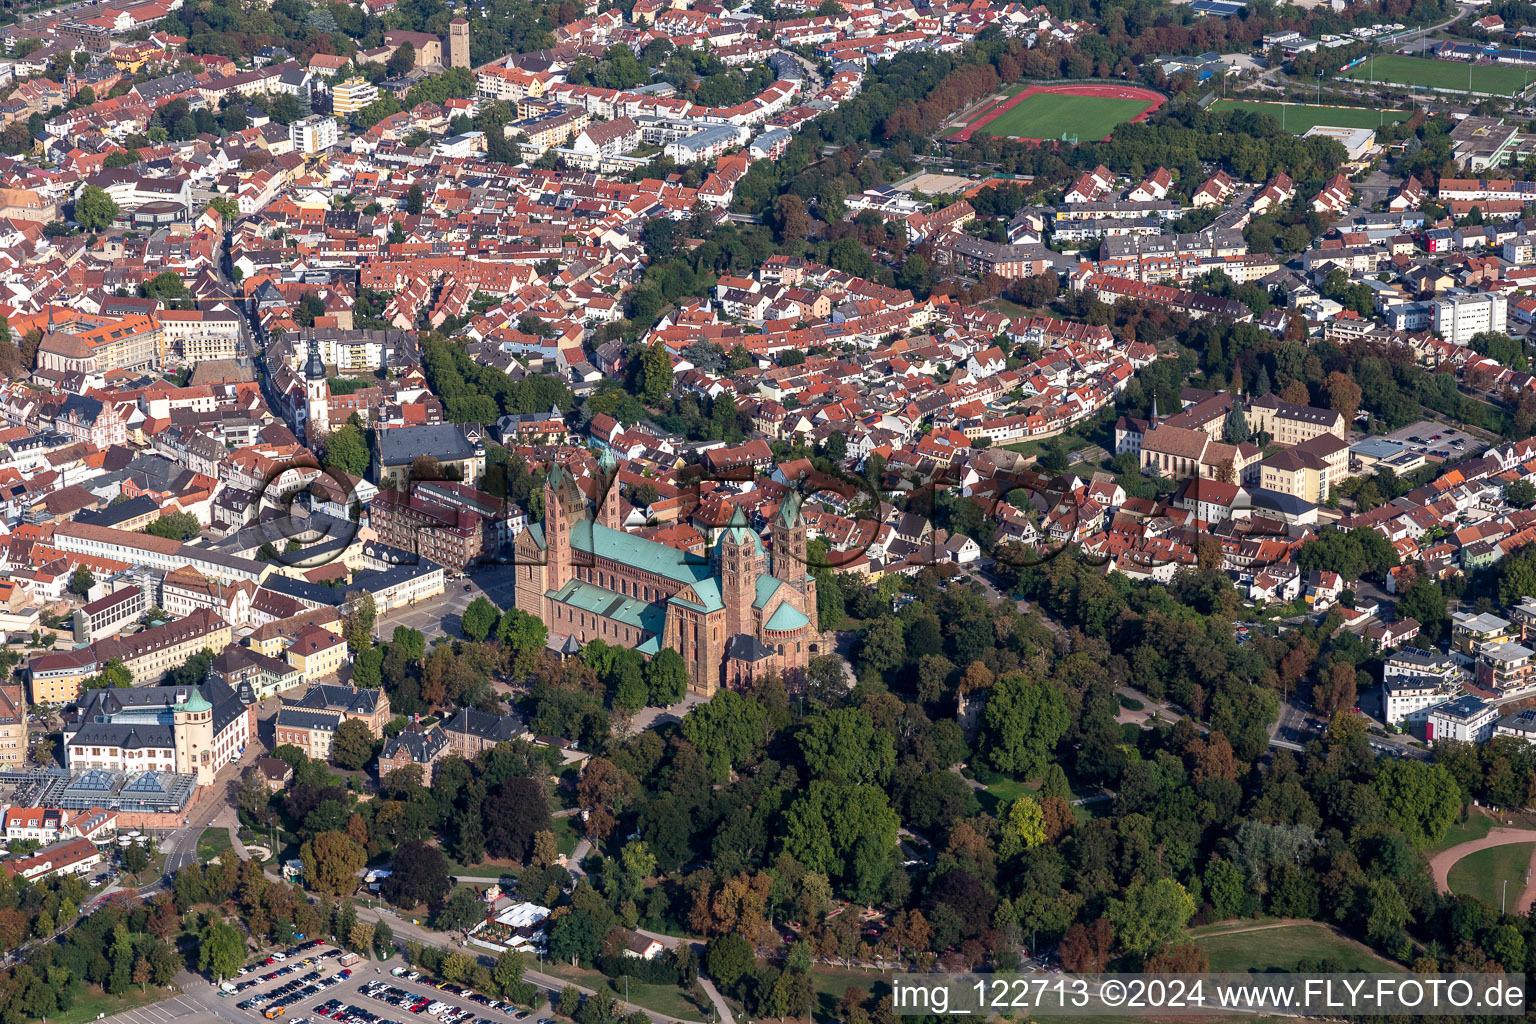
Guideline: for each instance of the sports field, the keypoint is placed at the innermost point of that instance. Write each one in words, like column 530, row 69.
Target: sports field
column 1087, row 112
column 1298, row 118
column 1047, row 116
column 1446, row 75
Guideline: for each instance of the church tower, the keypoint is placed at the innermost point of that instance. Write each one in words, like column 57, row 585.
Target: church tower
column 739, row 562
column 608, row 512
column 458, row 43
column 317, row 392
column 789, row 554
column 557, row 529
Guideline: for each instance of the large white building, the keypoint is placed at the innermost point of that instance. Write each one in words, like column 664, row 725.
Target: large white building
column 1468, row 719
column 1458, row 316
column 1414, row 681
column 190, row 730
column 313, row 134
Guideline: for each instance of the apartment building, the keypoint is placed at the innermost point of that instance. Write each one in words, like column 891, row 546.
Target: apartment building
column 1467, row 719
column 109, row 615
column 1460, row 316
column 200, row 335
column 352, row 95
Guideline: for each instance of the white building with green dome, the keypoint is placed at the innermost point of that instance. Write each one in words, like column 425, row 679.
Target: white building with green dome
column 189, row 730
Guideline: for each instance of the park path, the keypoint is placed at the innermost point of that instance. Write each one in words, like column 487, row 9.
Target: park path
column 1440, row 863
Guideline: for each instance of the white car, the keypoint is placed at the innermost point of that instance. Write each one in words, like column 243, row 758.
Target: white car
column 437, row 1008
column 279, row 957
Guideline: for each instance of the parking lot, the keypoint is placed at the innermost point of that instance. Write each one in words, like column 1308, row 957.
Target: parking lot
column 1437, row 441
column 173, row 1009
column 312, row 986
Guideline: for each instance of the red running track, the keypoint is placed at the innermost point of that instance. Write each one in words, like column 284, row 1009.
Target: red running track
column 1116, row 92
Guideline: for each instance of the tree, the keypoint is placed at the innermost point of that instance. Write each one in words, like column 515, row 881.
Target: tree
column 1343, row 395
column 135, row 858
column 95, row 210
column 413, row 200
column 357, row 624
column 1086, row 949
column 81, row 580
column 514, row 813
column 1150, row 914
column 221, row 950
column 383, row 941
column 346, row 449
column 1520, row 493
column 1022, row 723
column 460, row 910
column 524, row 636
column 842, row 744
column 479, row 619
column 1421, row 799
column 331, row 863
column 401, row 61
column 844, row 832
column 1023, row 828
column 1235, row 430
column 729, row 960
column 790, row 218
column 666, row 678
column 655, row 375
column 418, row 875
column 725, row 730
column 574, row 938
column 352, row 746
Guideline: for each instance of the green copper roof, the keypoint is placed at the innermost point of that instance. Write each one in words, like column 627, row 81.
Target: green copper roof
column 767, row 586
column 646, row 555
column 789, row 509
column 629, row 610
column 652, row 645
column 195, row 702
column 787, row 617
column 739, row 531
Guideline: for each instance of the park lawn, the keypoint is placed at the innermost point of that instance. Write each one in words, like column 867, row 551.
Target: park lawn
column 564, row 829
column 1482, row 874
column 1051, row 115
column 93, row 1003
column 1299, row 118
column 1280, row 948
column 667, row 999
column 211, row 843
column 830, row 983
column 1475, row 827
column 1447, row 75
column 1070, row 442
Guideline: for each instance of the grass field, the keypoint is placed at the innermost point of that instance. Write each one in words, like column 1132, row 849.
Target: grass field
column 564, row 829
column 1449, row 75
column 1298, row 118
column 1049, row 115
column 1475, row 827
column 1280, row 948
column 665, row 999
column 1483, row 874
column 211, row 843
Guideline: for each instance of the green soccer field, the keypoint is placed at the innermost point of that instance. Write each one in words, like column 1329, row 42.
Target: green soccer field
column 1450, row 75
column 1299, row 119
column 1049, row 115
